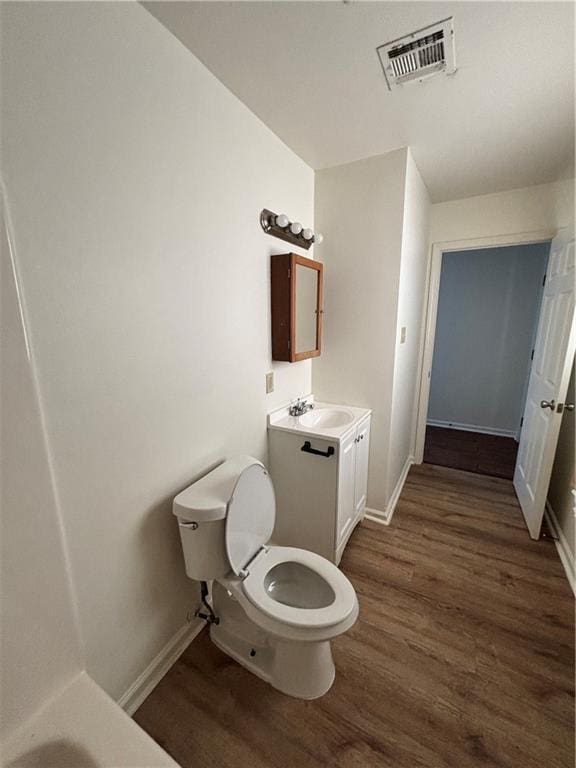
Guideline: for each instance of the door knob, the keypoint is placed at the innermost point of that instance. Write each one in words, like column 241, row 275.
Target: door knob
column 569, row 407
column 546, row 404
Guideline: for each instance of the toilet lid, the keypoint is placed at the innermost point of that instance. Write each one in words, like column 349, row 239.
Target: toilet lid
column 251, row 515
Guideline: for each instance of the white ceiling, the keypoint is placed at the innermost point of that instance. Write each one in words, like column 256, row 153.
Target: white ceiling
column 309, row 70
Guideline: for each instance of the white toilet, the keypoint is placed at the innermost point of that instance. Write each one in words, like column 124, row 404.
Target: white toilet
column 277, row 608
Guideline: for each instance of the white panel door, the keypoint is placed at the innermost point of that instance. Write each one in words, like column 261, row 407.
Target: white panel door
column 345, row 516
column 553, row 356
column 361, row 470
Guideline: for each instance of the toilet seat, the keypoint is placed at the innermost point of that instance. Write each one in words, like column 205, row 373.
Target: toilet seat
column 313, row 596
column 342, row 606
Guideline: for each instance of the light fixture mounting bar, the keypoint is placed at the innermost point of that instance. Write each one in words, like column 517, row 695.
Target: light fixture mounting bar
column 268, row 224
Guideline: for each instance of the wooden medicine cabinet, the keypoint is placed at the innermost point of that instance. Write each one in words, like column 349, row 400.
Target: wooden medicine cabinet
column 297, row 292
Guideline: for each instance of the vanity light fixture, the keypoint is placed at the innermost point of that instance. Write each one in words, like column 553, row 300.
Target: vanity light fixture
column 279, row 225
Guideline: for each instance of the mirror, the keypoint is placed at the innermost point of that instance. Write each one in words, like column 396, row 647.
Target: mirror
column 306, row 306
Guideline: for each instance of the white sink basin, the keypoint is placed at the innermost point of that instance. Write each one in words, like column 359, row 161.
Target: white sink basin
column 326, row 421
column 326, row 418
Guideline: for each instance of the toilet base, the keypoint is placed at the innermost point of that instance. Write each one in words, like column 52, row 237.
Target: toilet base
column 304, row 670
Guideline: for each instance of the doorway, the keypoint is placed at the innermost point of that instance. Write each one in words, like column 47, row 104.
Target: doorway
column 553, row 354
column 431, row 312
column 487, row 317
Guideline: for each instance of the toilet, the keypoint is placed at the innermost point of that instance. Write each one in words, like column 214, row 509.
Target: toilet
column 276, row 608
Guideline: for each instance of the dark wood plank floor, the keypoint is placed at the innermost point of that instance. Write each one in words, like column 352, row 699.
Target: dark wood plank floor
column 471, row 451
column 462, row 656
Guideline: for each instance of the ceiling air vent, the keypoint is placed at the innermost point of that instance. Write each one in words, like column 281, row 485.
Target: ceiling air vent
column 420, row 54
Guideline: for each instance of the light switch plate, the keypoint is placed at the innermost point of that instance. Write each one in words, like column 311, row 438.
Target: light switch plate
column 403, row 334
column 269, row 382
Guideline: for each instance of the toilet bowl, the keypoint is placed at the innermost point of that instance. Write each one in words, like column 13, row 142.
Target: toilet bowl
column 278, row 608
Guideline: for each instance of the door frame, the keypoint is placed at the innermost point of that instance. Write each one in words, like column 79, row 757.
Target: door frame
column 432, row 291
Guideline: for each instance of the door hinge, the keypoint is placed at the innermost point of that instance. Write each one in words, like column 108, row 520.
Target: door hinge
column 544, row 280
column 544, row 534
column 288, row 272
column 532, row 355
column 521, row 422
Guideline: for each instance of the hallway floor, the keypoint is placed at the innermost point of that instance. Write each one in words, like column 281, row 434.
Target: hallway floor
column 462, row 656
column 471, row 451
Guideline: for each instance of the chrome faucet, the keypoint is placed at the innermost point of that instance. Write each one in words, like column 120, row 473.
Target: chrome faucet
column 300, row 408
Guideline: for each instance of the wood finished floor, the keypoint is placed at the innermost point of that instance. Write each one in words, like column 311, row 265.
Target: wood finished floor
column 462, row 656
column 471, row 451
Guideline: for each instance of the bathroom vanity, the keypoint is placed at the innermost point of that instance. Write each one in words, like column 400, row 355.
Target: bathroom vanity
column 319, row 465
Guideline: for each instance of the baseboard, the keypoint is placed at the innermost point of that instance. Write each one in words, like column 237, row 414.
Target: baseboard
column 159, row 666
column 375, row 515
column 473, row 428
column 564, row 553
column 385, row 517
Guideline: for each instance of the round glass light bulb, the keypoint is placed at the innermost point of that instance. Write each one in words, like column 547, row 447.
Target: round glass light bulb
column 307, row 234
column 318, row 238
column 282, row 221
column 296, row 228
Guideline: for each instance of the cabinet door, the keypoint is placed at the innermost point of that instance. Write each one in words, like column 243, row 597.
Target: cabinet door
column 361, row 468
column 346, row 473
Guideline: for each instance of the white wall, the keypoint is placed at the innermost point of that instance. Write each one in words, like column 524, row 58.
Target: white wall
column 487, row 315
column 563, row 480
column 376, row 214
column 547, row 206
column 39, row 644
column 414, row 262
column 135, row 181
column 360, row 208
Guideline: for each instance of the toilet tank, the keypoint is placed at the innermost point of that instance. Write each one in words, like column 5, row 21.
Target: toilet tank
column 201, row 510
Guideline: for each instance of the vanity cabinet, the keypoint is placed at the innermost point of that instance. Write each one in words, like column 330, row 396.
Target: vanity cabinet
column 352, row 481
column 320, row 497
column 297, row 295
